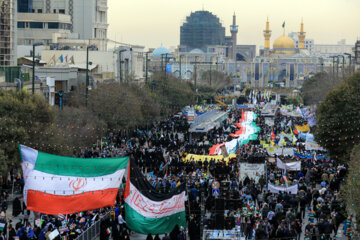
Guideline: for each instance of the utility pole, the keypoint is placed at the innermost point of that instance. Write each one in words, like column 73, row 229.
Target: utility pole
column 210, row 73
column 195, row 71
column 162, row 62
column 87, row 77
column 349, row 55
column 180, row 67
column 120, row 64
column 33, row 71
column 33, row 67
column 343, row 65
column 146, row 67
column 322, row 64
column 337, row 67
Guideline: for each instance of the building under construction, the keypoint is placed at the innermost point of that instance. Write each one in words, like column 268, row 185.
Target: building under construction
column 7, row 32
column 202, row 28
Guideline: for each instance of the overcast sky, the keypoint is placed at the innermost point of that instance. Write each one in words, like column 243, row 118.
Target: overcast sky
column 152, row 23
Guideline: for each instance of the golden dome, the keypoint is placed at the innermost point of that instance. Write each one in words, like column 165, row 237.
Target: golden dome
column 284, row 44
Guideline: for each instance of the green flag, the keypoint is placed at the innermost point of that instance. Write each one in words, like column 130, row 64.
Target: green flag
column 283, row 25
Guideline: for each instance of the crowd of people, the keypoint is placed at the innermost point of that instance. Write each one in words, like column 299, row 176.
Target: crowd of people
column 314, row 212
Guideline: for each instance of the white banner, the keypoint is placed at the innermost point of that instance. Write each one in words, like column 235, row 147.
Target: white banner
column 291, row 166
column 312, row 145
column 276, row 189
column 253, row 171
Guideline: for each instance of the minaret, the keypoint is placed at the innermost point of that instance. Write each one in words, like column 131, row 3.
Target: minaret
column 301, row 36
column 267, row 35
column 234, row 31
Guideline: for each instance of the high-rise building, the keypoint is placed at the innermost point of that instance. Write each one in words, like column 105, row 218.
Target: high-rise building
column 202, row 28
column 7, row 32
column 49, row 20
column 88, row 17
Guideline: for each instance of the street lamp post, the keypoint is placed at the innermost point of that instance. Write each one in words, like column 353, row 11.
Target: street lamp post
column 343, row 65
column 348, row 54
column 33, row 67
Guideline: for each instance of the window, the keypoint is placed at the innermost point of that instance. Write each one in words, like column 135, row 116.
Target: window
column 21, row 25
column 54, row 10
column 29, row 41
column 39, row 10
column 62, row 11
column 53, row 25
column 37, row 25
column 33, row 10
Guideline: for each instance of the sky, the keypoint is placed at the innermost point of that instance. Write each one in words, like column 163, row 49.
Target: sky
column 153, row 23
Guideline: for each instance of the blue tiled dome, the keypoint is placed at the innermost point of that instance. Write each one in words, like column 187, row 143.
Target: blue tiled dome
column 160, row 50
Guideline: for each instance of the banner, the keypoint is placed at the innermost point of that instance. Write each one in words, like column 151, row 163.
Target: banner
column 312, row 145
column 277, row 189
column 253, row 171
column 216, row 149
column 305, row 128
column 307, row 156
column 202, row 158
column 290, row 166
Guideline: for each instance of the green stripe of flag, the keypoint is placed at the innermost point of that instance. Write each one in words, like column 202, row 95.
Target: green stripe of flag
column 79, row 167
column 145, row 225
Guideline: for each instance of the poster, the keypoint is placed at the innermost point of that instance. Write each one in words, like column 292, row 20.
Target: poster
column 276, row 189
column 252, row 170
column 288, row 166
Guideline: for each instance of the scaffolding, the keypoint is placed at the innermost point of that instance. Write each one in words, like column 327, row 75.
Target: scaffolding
column 7, row 33
column 202, row 28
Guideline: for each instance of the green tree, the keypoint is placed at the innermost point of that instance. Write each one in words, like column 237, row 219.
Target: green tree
column 80, row 128
column 29, row 120
column 116, row 105
column 352, row 186
column 172, row 93
column 338, row 118
column 219, row 80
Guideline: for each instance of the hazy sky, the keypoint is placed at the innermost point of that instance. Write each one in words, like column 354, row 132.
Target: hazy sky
column 152, row 23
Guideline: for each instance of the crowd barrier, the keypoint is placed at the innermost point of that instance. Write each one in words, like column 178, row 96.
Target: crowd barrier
column 93, row 232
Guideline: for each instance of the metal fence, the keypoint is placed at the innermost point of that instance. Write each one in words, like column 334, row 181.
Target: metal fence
column 93, row 232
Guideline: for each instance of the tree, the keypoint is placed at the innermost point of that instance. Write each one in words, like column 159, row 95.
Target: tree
column 80, row 128
column 338, row 118
column 116, row 105
column 219, row 80
column 352, row 186
column 25, row 119
column 294, row 100
column 172, row 94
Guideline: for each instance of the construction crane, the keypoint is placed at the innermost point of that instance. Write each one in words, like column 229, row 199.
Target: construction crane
column 218, row 99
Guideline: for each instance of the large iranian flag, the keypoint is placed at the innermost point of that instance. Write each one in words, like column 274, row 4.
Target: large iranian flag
column 148, row 211
column 56, row 184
